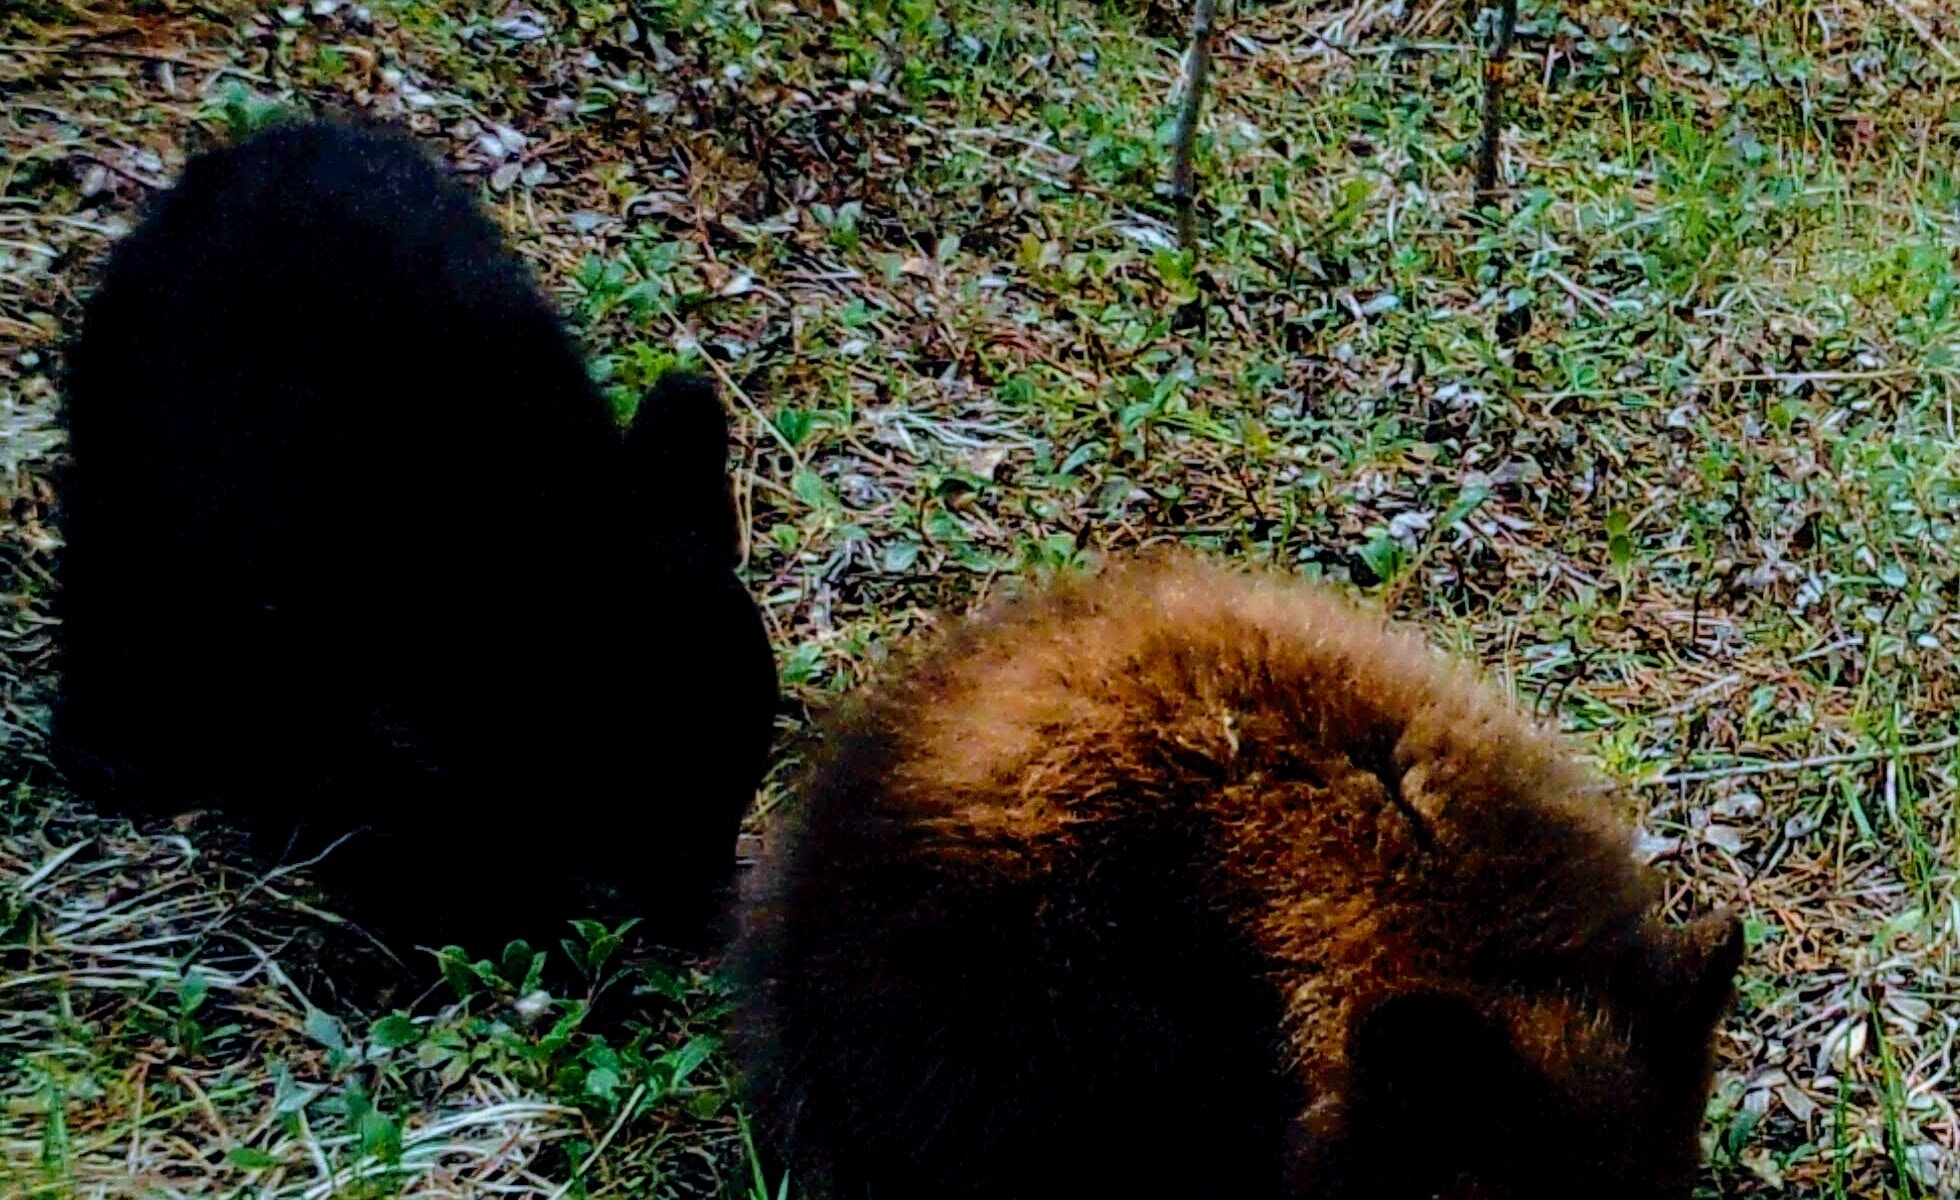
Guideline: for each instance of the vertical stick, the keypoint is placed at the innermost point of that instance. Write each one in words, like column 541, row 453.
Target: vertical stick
column 1184, row 188
column 1507, row 26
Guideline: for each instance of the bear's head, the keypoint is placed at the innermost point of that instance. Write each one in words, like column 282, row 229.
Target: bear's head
column 1591, row 1088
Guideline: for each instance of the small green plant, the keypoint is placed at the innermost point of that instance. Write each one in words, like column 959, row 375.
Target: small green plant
column 243, row 112
column 840, row 223
column 758, row 1183
column 1384, row 557
column 172, row 1013
column 595, row 946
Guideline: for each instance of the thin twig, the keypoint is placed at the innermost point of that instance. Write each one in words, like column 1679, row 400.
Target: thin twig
column 26, row 886
column 1184, row 188
column 1802, row 764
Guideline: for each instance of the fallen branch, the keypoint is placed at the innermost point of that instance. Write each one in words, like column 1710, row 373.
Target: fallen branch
column 1802, row 764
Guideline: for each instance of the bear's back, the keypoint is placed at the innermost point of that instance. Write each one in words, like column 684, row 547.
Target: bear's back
column 1325, row 752
column 1160, row 832
column 316, row 342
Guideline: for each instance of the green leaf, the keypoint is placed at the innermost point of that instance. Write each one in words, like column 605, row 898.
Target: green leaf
column 602, row 948
column 811, row 489
column 381, row 1135
column 1133, row 415
column 289, row 1096
column 1384, row 556
column 644, row 299
column 1736, row 1137
column 55, row 1148
column 1619, row 548
column 795, row 424
column 517, row 957
column 560, row 1035
column 252, row 1159
column 192, row 991
column 245, row 111
column 1079, row 457
column 456, row 971
column 602, row 1083
column 356, row 1105
column 706, row 1103
column 803, row 663
column 1028, row 254
column 1174, row 266
column 1470, row 501
column 394, row 1031
column 1354, row 198
column 683, row 1062
column 663, row 981
column 324, row 1030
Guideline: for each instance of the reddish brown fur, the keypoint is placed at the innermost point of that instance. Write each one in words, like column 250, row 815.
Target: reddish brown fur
column 1182, row 881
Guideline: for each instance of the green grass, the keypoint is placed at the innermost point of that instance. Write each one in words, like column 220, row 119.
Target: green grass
column 1701, row 510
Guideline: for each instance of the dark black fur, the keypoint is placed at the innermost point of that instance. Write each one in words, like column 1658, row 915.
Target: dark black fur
column 354, row 541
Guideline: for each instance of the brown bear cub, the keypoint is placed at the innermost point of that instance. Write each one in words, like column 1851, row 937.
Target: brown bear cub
column 1183, row 881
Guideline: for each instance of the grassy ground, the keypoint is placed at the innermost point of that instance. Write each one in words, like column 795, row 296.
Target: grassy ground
column 1701, row 509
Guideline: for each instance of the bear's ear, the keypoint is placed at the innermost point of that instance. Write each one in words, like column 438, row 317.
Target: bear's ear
column 680, row 425
column 677, row 465
column 1693, row 968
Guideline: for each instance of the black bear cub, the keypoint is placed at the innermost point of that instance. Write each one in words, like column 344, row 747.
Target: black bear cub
column 1187, row 882
column 354, row 542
